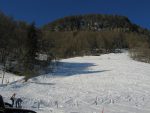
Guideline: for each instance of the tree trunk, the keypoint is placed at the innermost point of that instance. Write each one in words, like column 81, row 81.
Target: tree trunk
column 3, row 73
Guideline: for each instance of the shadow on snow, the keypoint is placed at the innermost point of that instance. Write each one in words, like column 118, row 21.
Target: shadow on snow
column 43, row 83
column 70, row 69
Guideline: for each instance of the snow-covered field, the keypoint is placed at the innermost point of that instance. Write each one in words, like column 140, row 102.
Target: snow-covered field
column 112, row 83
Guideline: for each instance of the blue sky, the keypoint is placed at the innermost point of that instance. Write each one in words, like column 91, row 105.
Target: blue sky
column 44, row 11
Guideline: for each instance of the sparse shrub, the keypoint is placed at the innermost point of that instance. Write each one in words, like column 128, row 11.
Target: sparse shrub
column 141, row 54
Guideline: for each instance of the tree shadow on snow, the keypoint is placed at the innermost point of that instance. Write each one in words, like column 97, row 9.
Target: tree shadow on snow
column 70, row 69
column 43, row 83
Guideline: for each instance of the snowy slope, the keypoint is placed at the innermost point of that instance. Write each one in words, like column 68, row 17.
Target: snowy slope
column 111, row 82
column 9, row 78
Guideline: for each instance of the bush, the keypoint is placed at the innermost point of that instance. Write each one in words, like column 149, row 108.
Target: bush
column 141, row 54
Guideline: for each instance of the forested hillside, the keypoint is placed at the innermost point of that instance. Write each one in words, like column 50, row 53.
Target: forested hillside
column 19, row 45
column 69, row 44
column 95, row 34
column 22, row 43
column 94, row 22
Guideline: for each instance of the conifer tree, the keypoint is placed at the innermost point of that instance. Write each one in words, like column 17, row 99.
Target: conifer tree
column 31, row 47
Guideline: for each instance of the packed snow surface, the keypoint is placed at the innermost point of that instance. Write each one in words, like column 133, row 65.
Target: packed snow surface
column 110, row 83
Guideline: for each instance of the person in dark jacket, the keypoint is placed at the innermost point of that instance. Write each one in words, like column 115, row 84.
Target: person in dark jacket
column 18, row 103
column 13, row 98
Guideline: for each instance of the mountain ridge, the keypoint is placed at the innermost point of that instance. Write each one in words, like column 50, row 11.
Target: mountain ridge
column 94, row 22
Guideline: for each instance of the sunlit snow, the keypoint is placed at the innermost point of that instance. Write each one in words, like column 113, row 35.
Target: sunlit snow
column 112, row 82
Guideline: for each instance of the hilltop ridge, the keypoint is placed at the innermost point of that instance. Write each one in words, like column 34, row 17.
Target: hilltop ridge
column 94, row 22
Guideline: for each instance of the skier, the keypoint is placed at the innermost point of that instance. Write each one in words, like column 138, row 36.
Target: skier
column 18, row 103
column 13, row 99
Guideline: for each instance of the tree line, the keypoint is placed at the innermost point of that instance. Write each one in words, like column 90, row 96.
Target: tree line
column 19, row 45
column 20, row 42
column 94, row 22
column 70, row 44
column 92, row 33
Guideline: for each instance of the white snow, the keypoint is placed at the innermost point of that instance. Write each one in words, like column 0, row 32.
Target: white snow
column 112, row 82
column 9, row 78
